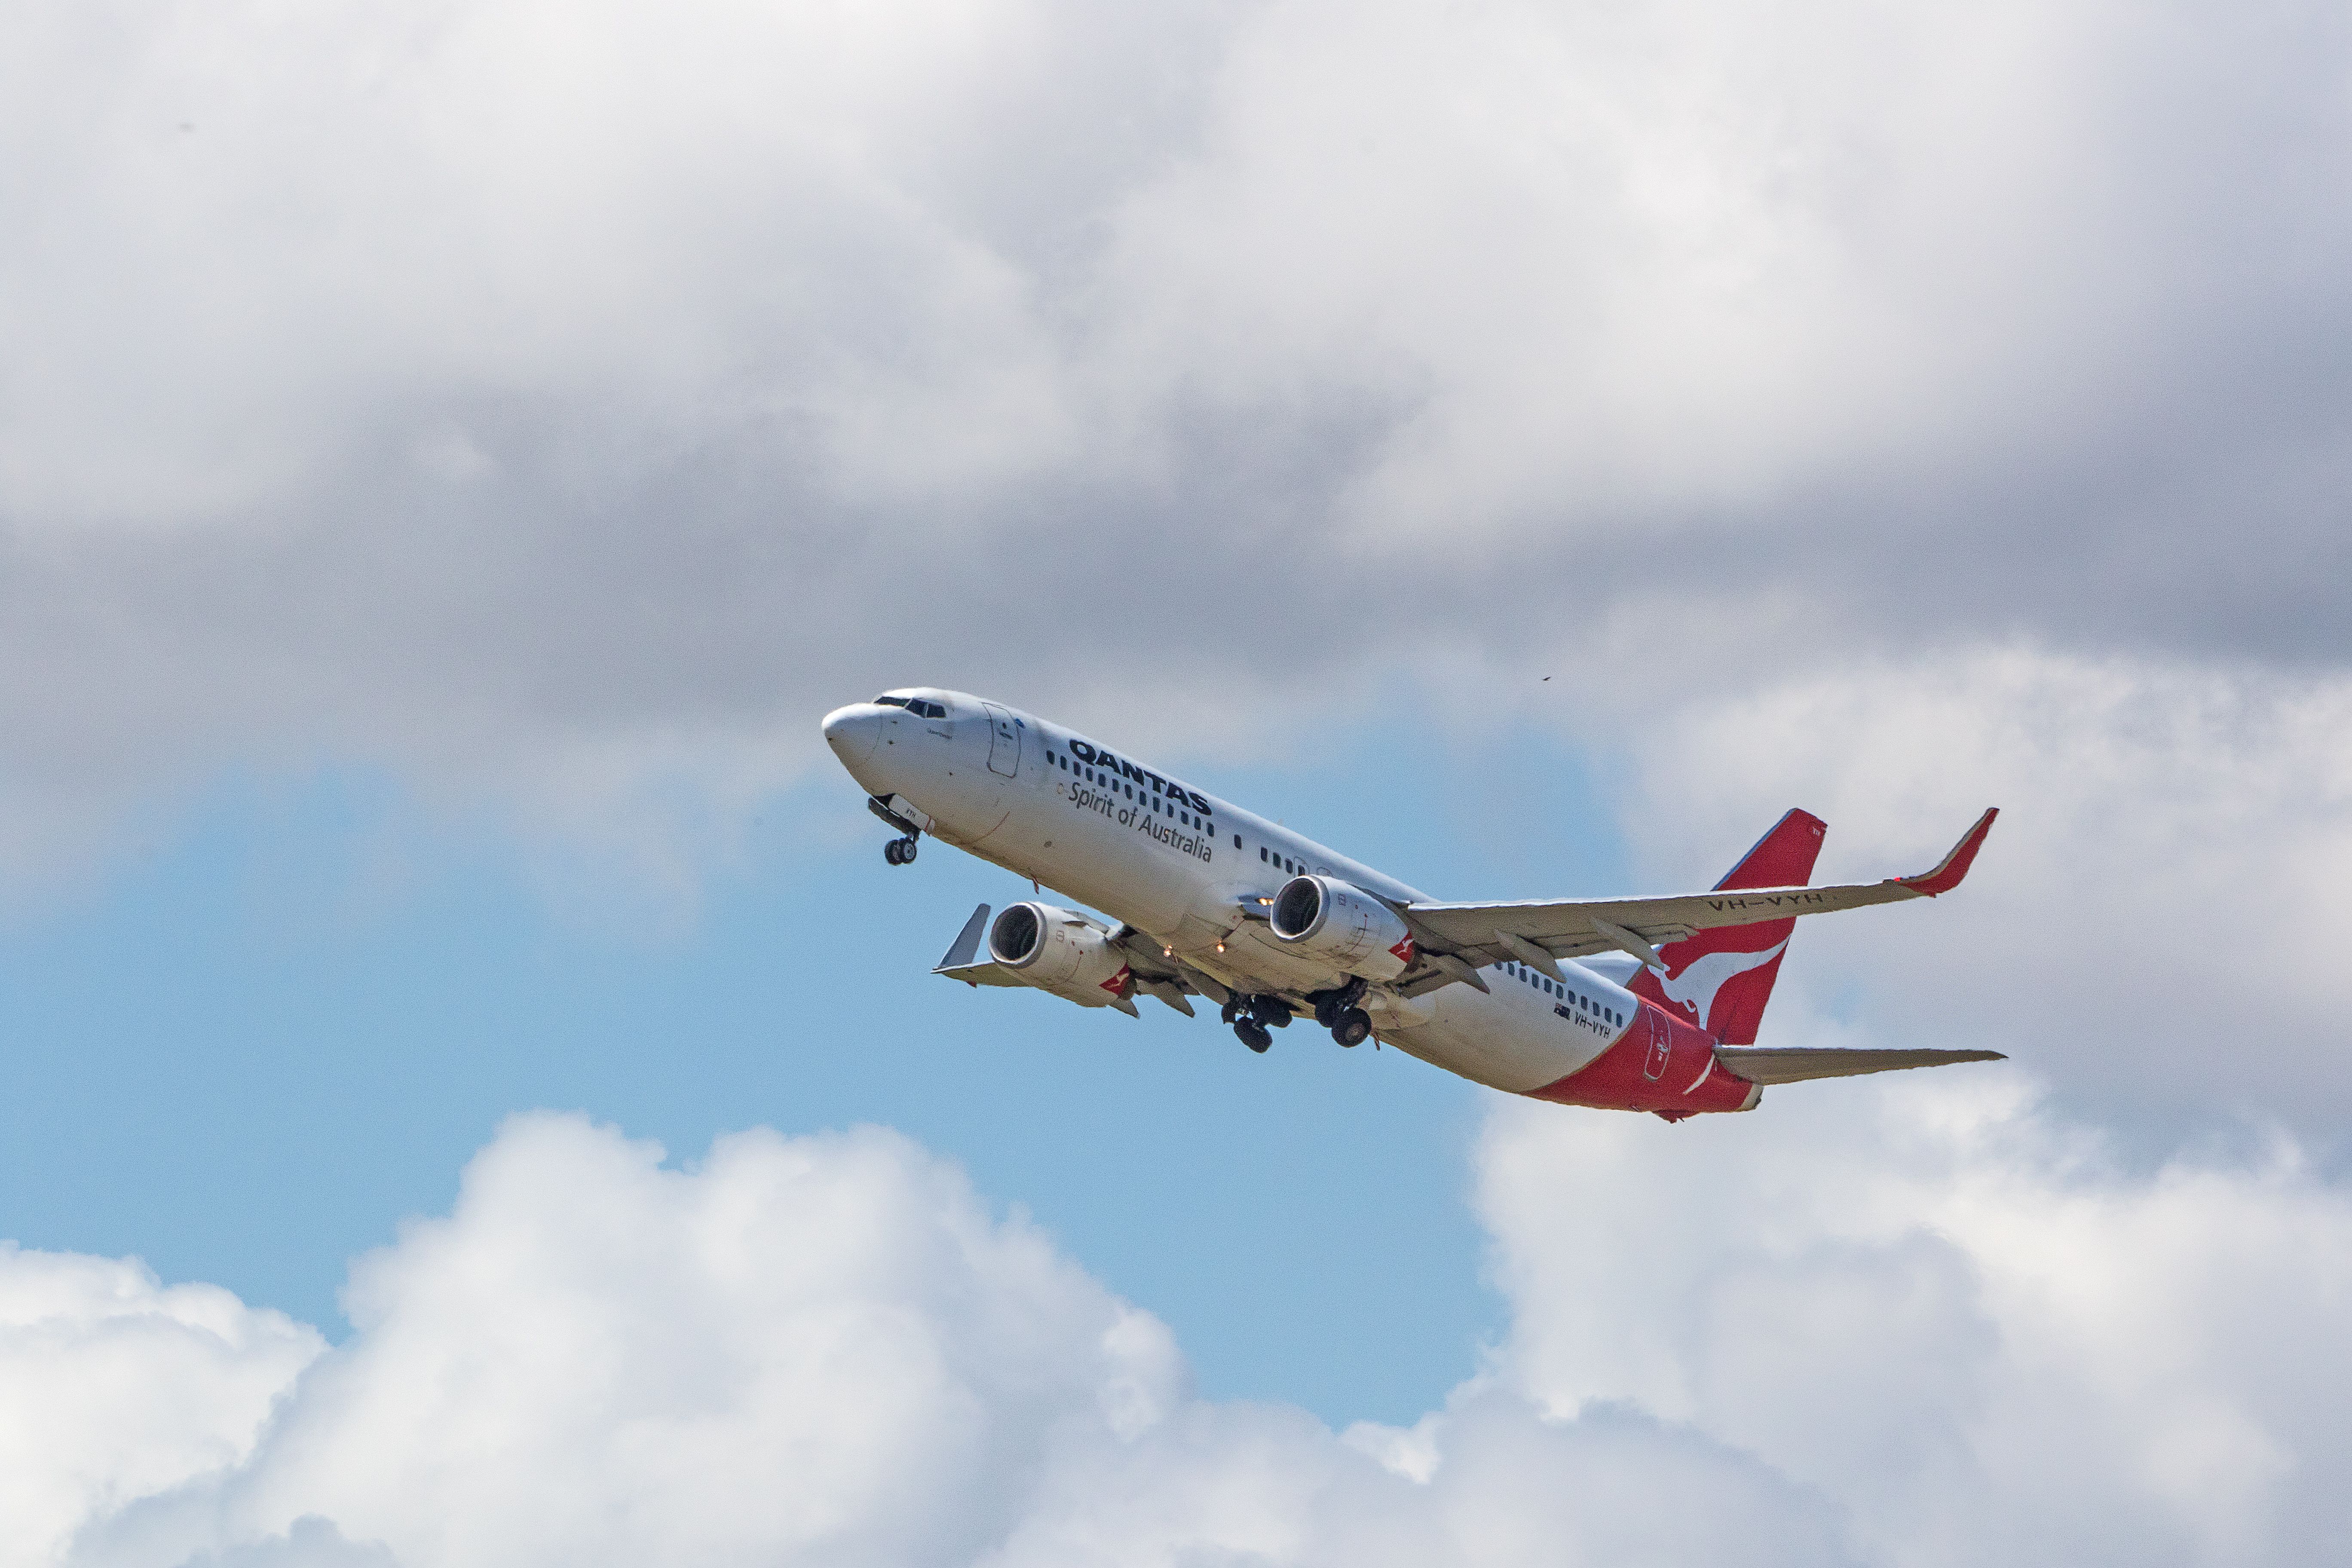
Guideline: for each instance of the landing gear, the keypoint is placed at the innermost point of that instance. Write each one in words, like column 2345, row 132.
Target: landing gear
column 1252, row 1015
column 899, row 851
column 1352, row 1028
column 1330, row 1006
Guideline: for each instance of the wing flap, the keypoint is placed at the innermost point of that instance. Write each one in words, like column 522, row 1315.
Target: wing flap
column 1795, row 1064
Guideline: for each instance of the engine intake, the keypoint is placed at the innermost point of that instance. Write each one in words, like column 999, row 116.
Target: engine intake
column 1343, row 925
column 1057, row 951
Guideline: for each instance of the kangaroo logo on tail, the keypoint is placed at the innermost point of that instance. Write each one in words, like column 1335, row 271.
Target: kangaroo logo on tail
column 1695, row 988
column 1720, row 979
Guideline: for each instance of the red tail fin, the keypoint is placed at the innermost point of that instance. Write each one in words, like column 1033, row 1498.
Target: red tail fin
column 1720, row 979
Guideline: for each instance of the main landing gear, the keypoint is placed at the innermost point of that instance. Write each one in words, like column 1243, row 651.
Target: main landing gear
column 1255, row 1018
column 900, row 851
column 1251, row 1017
column 1338, row 1012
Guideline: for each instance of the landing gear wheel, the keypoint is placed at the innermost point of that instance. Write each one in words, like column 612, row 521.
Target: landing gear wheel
column 1354, row 1027
column 1253, row 1035
column 1326, row 1012
column 1230, row 1011
column 899, row 851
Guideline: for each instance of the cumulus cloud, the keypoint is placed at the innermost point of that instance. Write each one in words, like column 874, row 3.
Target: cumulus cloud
column 1872, row 1324
column 1970, row 1322
column 564, row 408
column 117, row 1387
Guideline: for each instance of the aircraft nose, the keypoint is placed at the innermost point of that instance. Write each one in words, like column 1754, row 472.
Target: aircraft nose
column 854, row 731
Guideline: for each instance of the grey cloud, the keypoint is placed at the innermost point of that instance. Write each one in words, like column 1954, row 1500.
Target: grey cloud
column 556, row 369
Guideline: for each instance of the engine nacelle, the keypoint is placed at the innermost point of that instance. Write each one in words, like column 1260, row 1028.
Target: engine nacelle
column 1056, row 951
column 1342, row 925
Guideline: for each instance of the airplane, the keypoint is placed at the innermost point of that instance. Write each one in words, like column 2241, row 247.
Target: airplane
column 1623, row 1003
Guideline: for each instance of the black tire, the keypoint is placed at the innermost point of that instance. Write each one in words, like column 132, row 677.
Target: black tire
column 1253, row 1035
column 1231, row 1010
column 1354, row 1027
column 891, row 852
column 1326, row 1013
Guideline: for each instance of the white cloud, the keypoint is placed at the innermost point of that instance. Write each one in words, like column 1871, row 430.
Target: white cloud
column 1967, row 1320
column 113, row 1388
column 1924, row 1324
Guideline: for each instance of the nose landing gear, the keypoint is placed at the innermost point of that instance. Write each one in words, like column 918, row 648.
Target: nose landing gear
column 902, row 814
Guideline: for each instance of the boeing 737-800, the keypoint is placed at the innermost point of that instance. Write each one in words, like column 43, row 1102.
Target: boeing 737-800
column 1629, row 1004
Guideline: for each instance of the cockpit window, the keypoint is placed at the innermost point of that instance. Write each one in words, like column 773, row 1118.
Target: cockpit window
column 894, row 701
column 928, row 710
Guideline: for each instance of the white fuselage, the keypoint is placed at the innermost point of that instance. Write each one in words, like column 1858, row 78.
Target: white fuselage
column 1189, row 869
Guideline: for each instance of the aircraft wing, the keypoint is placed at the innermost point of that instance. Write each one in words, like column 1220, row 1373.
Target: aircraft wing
column 964, row 963
column 1795, row 1064
column 1479, row 934
column 1149, row 969
column 1152, row 969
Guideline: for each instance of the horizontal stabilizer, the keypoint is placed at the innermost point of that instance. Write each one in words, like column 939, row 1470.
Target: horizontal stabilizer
column 1796, row 1063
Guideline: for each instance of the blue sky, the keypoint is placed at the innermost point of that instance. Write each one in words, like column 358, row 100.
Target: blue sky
column 247, row 1054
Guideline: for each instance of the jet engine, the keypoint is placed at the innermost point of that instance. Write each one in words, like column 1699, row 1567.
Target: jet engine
column 1058, row 950
column 1342, row 925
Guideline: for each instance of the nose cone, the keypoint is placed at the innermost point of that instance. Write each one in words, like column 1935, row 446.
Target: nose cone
column 853, row 732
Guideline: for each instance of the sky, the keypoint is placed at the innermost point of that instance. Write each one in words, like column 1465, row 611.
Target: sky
column 475, row 1094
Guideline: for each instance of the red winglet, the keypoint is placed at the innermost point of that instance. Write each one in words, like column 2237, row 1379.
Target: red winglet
column 1955, row 866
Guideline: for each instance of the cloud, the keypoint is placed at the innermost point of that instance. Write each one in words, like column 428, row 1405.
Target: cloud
column 117, row 1387
column 1918, row 1324
column 564, row 413
column 2150, row 926
column 1969, row 1320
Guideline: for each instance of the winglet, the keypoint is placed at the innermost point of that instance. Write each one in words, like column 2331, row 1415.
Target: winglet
column 967, row 942
column 1955, row 866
